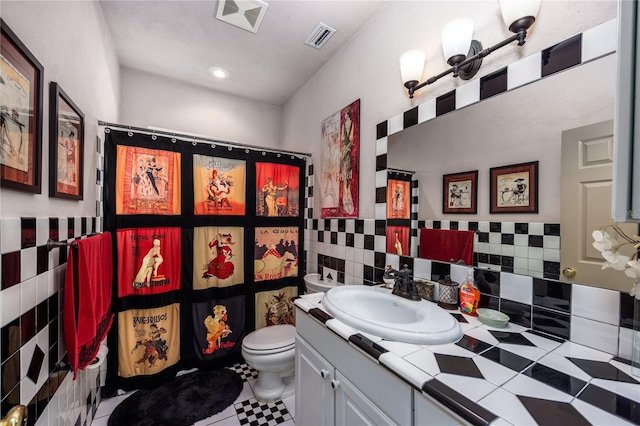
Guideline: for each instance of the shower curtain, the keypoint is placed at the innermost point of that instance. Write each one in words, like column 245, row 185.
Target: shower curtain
column 208, row 243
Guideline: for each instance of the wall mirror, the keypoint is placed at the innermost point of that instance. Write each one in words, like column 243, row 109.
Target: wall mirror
column 518, row 126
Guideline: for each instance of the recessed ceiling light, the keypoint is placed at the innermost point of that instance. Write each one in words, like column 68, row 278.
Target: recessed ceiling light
column 218, row 72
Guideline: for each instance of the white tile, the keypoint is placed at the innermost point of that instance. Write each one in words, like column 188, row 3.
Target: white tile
column 551, row 255
column 394, row 261
column 380, row 211
column 551, row 242
column 628, row 390
column 107, row 405
column 459, row 273
column 416, row 376
column 599, row 40
column 11, row 302
column 495, row 238
column 340, row 328
column 369, row 257
column 228, row 415
column 358, row 241
column 369, row 227
column 395, row 124
column 541, row 342
column 28, row 294
column 518, row 288
column 625, row 342
column 535, row 265
column 468, row 94
column 381, row 179
column 290, row 403
column 526, row 386
column 597, row 416
column 495, row 249
column 536, row 228
column 521, row 240
column 483, row 334
column 399, row 348
column 595, row 303
column 594, row 334
column 508, row 406
column 471, row 387
column 508, row 250
column 536, row 253
column 483, row 226
column 350, row 226
column 380, row 243
column 422, row 268
column 524, row 71
column 530, row 352
column 564, row 365
column 450, row 349
column 494, row 372
column 508, row 228
column 10, row 231
column 381, row 147
column 42, row 231
column 427, row 110
column 520, row 262
column 425, row 360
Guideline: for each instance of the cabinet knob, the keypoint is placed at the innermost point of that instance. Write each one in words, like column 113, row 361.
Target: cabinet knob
column 324, row 373
column 335, row 384
column 569, row 272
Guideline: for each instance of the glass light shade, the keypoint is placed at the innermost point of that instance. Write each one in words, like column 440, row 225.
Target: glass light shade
column 456, row 37
column 412, row 65
column 512, row 10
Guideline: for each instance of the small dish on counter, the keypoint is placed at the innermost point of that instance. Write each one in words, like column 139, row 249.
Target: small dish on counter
column 492, row 318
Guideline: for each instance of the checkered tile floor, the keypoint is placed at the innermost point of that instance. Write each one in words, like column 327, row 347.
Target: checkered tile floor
column 246, row 410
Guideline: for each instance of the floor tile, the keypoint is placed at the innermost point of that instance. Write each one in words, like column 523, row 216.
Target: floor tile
column 256, row 413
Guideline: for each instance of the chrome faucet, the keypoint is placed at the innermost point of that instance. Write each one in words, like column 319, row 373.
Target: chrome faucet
column 404, row 285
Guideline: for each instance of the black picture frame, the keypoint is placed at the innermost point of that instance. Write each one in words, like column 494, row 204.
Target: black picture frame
column 21, row 112
column 66, row 145
column 460, row 193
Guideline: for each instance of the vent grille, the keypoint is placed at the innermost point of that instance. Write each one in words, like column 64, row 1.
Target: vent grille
column 320, row 35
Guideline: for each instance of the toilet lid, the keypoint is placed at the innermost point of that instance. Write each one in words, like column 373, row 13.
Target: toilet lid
column 272, row 337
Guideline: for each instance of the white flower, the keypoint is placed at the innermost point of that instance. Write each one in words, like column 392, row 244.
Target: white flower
column 632, row 272
column 634, row 290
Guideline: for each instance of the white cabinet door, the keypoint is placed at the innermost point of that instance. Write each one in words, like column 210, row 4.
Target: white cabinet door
column 314, row 395
column 429, row 412
column 353, row 408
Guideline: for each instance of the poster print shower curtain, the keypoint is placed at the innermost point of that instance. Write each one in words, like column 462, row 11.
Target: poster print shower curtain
column 340, row 163
column 194, row 273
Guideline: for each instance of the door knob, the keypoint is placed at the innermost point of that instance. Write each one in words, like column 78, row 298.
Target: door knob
column 324, row 373
column 569, row 272
column 335, row 384
column 17, row 416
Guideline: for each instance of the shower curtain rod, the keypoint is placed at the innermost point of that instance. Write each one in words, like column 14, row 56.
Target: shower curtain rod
column 198, row 139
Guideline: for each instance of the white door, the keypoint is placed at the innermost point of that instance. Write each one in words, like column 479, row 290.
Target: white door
column 314, row 395
column 587, row 159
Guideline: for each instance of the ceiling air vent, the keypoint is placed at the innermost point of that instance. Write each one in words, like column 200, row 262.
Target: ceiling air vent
column 245, row 14
column 319, row 36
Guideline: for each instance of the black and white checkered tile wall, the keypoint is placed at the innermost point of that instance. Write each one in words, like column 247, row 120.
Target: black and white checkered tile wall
column 32, row 349
column 517, row 263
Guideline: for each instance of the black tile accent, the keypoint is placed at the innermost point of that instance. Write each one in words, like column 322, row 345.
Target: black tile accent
column 310, row 212
column 437, row 224
column 547, row 412
column 53, row 306
column 511, row 338
column 506, row 358
column 320, row 315
column 552, row 229
column 314, row 224
column 349, row 240
column 368, row 242
column 439, row 270
column 493, row 84
column 461, row 405
column 627, row 310
column 334, row 238
column 83, row 225
column 53, row 228
column 472, row 344
column 310, row 173
column 10, row 371
column 460, row 318
column 367, row 273
column 310, row 191
column 506, row 262
column 71, row 223
column 10, row 340
column 495, row 259
column 28, row 232
column 554, row 378
column 406, row 260
column 473, row 226
column 535, row 240
column 421, row 224
column 482, row 257
column 522, row 228
column 10, row 269
column 612, row 403
column 28, row 325
column 414, row 216
column 550, row 269
column 321, row 236
column 371, row 348
column 42, row 259
column 381, row 162
column 380, row 260
column 446, row 103
column 602, row 370
column 327, row 224
column 340, row 263
column 507, row 239
column 380, row 227
column 342, row 225
column 341, row 277
column 381, row 130
column 519, row 313
column 555, row 323
column 410, row 117
column 563, row 55
column 462, row 366
column 359, row 226
column 453, row 225
column 490, row 302
column 36, row 364
column 483, row 237
column 495, row 227
column 42, row 316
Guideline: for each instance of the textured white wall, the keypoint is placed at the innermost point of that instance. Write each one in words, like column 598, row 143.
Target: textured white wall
column 151, row 100
column 367, row 68
column 72, row 43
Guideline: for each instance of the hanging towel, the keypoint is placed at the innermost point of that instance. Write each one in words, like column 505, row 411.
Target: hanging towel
column 87, row 313
column 446, row 245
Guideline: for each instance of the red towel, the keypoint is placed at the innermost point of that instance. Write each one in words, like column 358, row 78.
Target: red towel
column 87, row 299
column 446, row 245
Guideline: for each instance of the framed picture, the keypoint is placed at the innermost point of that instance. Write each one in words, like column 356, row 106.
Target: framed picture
column 21, row 86
column 66, row 145
column 460, row 192
column 514, row 189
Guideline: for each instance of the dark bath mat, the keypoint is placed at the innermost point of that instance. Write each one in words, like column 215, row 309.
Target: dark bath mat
column 183, row 401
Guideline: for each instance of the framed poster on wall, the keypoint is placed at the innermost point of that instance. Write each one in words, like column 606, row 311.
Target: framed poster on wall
column 340, row 163
column 21, row 86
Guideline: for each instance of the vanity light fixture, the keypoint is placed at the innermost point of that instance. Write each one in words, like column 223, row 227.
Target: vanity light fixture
column 464, row 54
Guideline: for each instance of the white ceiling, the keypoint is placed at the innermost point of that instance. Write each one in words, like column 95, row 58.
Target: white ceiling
column 183, row 39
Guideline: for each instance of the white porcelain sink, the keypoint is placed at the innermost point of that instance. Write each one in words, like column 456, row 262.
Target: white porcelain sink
column 315, row 285
column 376, row 311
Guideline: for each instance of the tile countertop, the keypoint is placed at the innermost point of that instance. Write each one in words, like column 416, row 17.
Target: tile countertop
column 503, row 376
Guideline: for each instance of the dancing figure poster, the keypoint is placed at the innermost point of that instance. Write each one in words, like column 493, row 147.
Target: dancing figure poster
column 340, row 163
column 147, row 181
column 277, row 190
column 219, row 186
column 218, row 256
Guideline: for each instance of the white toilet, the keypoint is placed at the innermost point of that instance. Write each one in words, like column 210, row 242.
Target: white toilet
column 271, row 351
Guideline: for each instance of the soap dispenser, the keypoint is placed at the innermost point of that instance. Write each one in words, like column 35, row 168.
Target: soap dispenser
column 469, row 295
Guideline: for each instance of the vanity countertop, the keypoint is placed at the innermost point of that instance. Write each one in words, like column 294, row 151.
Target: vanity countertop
column 505, row 376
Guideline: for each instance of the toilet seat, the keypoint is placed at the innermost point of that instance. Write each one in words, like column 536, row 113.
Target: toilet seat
column 272, row 339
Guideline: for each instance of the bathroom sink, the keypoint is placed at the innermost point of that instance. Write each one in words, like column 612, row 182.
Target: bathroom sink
column 376, row 311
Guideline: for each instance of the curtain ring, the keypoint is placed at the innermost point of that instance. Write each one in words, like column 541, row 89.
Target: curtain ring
column 264, row 153
column 213, row 146
column 130, row 133
column 154, row 137
column 173, row 140
column 246, row 150
column 278, row 155
column 230, row 148
column 107, row 130
column 194, row 143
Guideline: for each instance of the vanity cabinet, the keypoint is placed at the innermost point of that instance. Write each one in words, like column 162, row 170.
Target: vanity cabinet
column 430, row 412
column 324, row 396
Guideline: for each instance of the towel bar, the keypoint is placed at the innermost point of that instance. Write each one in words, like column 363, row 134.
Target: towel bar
column 51, row 244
